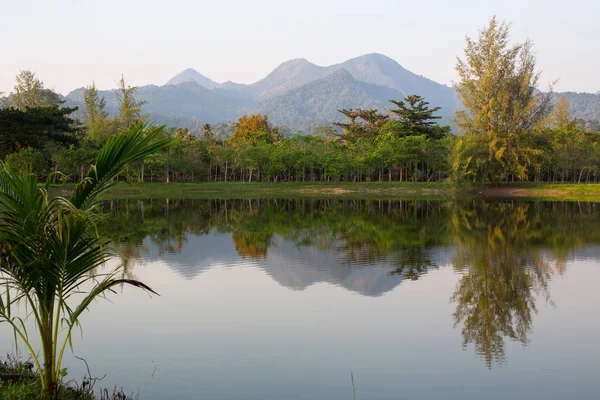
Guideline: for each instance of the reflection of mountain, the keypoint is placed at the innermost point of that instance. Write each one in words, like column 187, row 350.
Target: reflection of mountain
column 197, row 254
column 298, row 267
column 292, row 266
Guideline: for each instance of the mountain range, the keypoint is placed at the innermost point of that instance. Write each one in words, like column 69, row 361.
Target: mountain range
column 299, row 94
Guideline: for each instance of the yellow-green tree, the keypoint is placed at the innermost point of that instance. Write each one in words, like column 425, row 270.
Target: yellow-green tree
column 497, row 88
column 252, row 130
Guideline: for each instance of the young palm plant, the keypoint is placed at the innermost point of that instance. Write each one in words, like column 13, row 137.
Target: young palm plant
column 50, row 249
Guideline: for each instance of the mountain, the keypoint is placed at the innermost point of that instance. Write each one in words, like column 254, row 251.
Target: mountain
column 184, row 104
column 302, row 95
column 191, row 75
column 582, row 105
column 380, row 70
column 317, row 103
column 373, row 68
column 289, row 75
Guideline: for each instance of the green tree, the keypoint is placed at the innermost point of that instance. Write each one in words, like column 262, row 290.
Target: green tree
column 497, row 87
column 51, row 247
column 417, row 118
column 130, row 109
column 95, row 118
column 30, row 92
column 34, row 127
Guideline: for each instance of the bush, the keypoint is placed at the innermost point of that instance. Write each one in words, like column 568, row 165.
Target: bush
column 27, row 161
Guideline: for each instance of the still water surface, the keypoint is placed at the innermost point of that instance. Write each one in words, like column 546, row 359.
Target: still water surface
column 276, row 299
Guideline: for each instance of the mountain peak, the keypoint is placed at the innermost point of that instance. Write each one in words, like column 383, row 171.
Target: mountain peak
column 191, row 75
column 288, row 75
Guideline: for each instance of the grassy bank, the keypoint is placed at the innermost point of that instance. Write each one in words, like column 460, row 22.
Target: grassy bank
column 350, row 190
column 363, row 190
column 546, row 191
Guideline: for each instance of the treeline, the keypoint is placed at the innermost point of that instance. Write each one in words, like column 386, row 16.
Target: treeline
column 507, row 132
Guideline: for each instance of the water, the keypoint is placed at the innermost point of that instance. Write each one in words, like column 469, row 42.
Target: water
column 289, row 299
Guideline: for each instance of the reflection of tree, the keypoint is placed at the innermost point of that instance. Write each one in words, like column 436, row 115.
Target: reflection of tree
column 362, row 232
column 250, row 244
column 502, row 274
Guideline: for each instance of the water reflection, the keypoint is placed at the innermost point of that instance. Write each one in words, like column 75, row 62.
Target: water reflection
column 505, row 252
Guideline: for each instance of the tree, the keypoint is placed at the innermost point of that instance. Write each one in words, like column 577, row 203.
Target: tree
column 498, row 90
column 99, row 126
column 51, row 247
column 207, row 133
column 364, row 124
column 130, row 109
column 253, row 129
column 34, row 127
column 417, row 118
column 30, row 92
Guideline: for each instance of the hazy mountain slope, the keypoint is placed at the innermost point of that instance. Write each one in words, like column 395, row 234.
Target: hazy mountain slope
column 191, row 75
column 381, row 70
column 187, row 100
column 318, row 102
column 288, row 76
column 582, row 105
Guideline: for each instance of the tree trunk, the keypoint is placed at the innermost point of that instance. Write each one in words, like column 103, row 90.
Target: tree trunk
column 50, row 384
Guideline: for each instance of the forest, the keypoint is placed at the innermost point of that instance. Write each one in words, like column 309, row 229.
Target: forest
column 509, row 131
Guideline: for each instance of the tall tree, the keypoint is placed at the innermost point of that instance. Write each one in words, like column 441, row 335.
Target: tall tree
column 30, row 92
column 498, row 90
column 94, row 115
column 130, row 109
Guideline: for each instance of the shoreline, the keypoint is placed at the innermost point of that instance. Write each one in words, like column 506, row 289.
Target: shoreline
column 352, row 190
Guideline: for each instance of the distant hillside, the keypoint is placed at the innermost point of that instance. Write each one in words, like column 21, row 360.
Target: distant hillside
column 302, row 95
column 317, row 103
column 582, row 105
column 381, row 70
column 288, row 76
column 183, row 102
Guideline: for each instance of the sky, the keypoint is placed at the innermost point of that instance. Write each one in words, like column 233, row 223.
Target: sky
column 70, row 43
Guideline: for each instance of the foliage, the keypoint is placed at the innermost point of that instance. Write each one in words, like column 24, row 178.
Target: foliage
column 498, row 90
column 130, row 109
column 51, row 249
column 35, row 127
column 27, row 161
column 30, row 93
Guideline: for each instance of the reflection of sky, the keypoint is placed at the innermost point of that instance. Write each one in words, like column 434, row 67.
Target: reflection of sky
column 236, row 333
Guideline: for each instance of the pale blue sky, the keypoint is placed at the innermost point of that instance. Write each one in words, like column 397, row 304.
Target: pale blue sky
column 70, row 43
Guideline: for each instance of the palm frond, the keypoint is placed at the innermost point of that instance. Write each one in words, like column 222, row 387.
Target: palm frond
column 124, row 149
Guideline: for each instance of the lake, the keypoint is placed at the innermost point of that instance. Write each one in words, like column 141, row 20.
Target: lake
column 348, row 299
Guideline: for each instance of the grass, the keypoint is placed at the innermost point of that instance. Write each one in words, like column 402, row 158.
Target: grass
column 19, row 381
column 554, row 191
column 350, row 190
